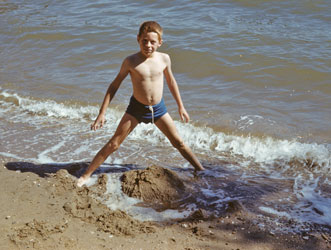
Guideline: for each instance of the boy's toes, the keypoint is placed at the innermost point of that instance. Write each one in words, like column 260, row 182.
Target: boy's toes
column 81, row 181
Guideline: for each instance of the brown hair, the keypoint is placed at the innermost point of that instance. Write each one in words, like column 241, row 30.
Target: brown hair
column 151, row 26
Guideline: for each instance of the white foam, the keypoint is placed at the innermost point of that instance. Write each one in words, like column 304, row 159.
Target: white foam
column 43, row 156
column 9, row 155
column 313, row 205
column 270, row 210
column 84, row 147
column 51, row 108
column 247, row 120
column 262, row 150
column 91, row 181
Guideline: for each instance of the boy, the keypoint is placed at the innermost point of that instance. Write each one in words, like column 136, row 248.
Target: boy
column 146, row 68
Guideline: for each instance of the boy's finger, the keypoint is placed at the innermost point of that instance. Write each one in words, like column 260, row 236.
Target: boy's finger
column 94, row 126
column 187, row 118
column 102, row 123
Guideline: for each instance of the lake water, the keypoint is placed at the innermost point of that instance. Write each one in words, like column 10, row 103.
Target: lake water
column 254, row 77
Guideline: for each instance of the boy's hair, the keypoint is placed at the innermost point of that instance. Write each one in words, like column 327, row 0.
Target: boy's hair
column 151, row 26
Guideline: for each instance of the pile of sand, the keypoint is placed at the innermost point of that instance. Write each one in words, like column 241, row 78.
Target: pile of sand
column 83, row 205
column 153, row 185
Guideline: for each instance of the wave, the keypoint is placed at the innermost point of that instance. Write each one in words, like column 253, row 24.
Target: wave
column 263, row 150
column 48, row 108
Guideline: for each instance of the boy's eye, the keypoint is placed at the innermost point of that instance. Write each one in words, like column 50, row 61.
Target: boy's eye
column 146, row 41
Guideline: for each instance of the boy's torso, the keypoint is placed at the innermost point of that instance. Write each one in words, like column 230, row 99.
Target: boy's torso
column 147, row 77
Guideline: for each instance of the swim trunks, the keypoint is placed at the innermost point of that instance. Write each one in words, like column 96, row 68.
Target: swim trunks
column 146, row 113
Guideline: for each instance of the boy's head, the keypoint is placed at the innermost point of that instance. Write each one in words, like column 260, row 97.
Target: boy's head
column 151, row 26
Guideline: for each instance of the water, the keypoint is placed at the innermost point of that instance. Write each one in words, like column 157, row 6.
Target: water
column 254, row 77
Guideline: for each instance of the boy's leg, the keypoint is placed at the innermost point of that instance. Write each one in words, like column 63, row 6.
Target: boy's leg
column 168, row 128
column 126, row 125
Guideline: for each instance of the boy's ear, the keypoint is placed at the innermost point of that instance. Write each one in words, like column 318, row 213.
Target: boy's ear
column 160, row 43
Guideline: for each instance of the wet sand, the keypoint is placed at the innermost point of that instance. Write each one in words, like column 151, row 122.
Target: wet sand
column 44, row 211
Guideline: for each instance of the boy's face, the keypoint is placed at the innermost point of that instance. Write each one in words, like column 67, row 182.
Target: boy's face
column 149, row 42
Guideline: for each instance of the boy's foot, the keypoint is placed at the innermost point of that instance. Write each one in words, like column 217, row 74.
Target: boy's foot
column 197, row 169
column 82, row 181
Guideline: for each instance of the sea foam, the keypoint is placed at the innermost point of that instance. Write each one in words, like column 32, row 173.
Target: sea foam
column 266, row 150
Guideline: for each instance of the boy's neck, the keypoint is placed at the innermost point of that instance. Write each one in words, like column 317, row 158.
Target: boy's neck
column 143, row 56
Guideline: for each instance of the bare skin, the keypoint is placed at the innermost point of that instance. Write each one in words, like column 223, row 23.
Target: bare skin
column 147, row 69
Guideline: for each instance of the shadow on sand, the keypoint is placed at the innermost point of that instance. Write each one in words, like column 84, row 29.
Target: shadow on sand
column 76, row 169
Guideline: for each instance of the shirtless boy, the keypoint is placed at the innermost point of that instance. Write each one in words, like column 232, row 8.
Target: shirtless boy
column 147, row 69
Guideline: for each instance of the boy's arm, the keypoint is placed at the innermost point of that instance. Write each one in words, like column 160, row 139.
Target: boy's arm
column 173, row 87
column 111, row 91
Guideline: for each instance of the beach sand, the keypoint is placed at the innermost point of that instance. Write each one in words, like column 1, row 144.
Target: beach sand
column 40, row 211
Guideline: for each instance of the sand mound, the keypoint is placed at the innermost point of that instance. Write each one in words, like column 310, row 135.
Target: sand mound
column 154, row 184
column 84, row 206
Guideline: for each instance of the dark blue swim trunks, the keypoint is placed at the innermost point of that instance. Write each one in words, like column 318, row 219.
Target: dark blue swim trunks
column 145, row 113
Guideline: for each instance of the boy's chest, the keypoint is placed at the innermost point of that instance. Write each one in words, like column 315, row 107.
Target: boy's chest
column 149, row 69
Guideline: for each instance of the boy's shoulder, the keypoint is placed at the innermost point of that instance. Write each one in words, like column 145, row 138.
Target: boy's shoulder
column 161, row 54
column 162, row 57
column 131, row 60
column 132, row 57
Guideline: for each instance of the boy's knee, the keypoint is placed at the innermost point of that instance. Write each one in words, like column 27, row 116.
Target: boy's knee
column 179, row 144
column 112, row 146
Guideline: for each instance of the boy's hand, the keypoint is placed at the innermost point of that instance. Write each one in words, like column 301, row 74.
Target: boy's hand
column 98, row 123
column 184, row 115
